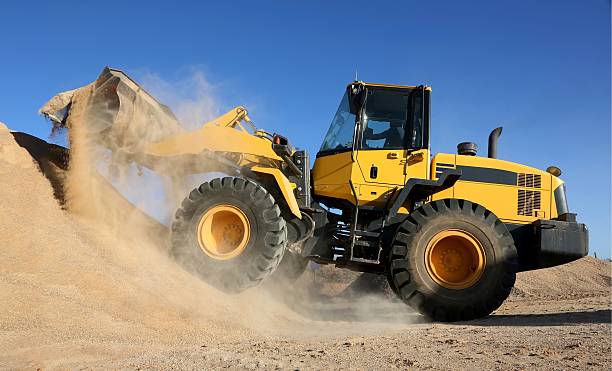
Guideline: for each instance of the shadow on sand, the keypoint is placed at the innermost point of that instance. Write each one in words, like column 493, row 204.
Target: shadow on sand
column 390, row 312
column 360, row 311
column 545, row 319
column 51, row 159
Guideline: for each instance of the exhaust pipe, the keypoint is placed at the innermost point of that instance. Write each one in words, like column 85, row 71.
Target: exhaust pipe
column 493, row 139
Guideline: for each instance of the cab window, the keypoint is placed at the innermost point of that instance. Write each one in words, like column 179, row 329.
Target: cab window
column 389, row 121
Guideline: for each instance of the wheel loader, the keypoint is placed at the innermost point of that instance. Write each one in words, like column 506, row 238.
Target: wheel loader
column 449, row 231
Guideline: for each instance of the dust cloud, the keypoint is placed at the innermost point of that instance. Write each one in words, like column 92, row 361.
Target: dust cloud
column 192, row 96
column 93, row 279
column 92, row 284
column 85, row 188
column 91, row 196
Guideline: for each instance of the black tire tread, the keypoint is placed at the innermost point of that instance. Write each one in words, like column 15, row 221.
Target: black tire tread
column 274, row 229
column 401, row 274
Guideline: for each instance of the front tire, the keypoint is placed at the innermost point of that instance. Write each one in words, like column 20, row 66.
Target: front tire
column 230, row 232
column 452, row 260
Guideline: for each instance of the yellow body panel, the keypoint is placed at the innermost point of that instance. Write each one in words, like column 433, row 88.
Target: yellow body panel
column 494, row 193
column 390, row 174
column 417, row 167
column 390, row 164
column 418, row 164
column 496, row 188
column 331, row 174
column 286, row 187
column 374, row 194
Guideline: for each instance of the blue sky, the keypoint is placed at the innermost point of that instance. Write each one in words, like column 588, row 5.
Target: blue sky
column 541, row 69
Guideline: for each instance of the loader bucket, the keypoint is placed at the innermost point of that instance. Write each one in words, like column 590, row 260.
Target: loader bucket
column 119, row 114
column 123, row 120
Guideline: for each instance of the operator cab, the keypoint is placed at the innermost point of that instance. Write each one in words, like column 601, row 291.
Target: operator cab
column 365, row 153
column 376, row 116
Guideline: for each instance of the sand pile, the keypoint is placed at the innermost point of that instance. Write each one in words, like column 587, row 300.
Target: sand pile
column 586, row 277
column 79, row 290
column 65, row 280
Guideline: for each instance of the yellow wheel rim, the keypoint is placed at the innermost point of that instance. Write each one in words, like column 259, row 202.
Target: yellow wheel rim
column 455, row 259
column 223, row 232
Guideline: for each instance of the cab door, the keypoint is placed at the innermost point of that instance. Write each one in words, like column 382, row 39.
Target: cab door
column 383, row 169
column 389, row 147
column 379, row 160
column 381, row 149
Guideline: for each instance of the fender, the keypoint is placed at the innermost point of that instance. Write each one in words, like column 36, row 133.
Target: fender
column 284, row 185
column 423, row 188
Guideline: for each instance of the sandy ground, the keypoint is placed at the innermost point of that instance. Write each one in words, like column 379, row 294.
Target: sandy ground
column 75, row 293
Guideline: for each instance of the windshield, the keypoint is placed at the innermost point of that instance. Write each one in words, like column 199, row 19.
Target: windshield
column 340, row 134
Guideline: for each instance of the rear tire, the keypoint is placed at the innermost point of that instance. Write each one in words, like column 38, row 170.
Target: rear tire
column 256, row 252
column 452, row 260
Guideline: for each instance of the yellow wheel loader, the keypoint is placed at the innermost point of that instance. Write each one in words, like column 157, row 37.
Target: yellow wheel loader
column 449, row 231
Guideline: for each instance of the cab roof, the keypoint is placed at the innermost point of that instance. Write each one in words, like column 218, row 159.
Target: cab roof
column 392, row 86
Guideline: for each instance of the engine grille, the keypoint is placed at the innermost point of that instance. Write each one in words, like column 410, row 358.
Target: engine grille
column 528, row 201
column 529, row 180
